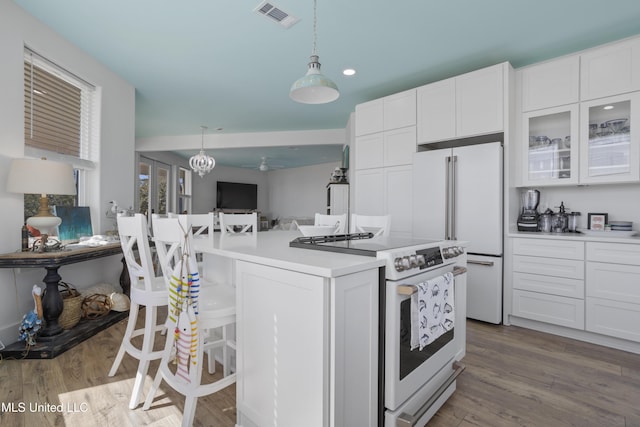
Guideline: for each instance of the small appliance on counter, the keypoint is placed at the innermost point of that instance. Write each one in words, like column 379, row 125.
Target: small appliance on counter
column 528, row 219
column 558, row 222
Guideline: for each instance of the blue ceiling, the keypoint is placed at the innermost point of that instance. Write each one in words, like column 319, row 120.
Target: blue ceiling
column 220, row 64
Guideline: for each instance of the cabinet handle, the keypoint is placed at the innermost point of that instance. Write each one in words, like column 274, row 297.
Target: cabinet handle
column 453, row 197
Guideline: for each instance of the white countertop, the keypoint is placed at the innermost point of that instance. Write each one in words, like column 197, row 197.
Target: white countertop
column 272, row 248
column 604, row 236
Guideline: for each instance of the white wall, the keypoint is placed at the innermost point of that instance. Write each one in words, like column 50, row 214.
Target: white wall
column 299, row 192
column 117, row 134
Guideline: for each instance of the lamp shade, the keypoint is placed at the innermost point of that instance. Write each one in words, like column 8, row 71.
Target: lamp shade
column 40, row 176
column 314, row 87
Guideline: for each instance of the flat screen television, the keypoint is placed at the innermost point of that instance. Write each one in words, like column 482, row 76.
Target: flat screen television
column 235, row 195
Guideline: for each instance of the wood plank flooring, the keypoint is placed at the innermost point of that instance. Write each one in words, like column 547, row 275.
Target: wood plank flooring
column 513, row 377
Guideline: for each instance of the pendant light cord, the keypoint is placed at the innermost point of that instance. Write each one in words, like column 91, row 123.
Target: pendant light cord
column 202, row 144
column 315, row 23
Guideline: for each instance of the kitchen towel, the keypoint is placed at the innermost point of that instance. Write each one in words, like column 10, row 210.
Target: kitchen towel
column 432, row 310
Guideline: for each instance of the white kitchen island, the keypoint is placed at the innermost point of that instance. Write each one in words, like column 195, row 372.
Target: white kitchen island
column 307, row 331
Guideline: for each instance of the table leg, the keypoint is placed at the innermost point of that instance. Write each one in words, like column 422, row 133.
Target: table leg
column 52, row 303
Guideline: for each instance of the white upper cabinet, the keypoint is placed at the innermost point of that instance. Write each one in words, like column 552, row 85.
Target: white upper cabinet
column 391, row 112
column 551, row 84
column 399, row 110
column 437, row 111
column 480, row 101
column 609, row 141
column 610, row 70
column 550, row 146
column 369, row 117
column 467, row 105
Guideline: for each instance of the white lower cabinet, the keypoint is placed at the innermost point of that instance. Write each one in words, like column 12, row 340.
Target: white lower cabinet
column 548, row 281
column 613, row 290
column 307, row 347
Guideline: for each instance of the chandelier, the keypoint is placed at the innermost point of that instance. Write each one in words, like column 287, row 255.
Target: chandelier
column 314, row 87
column 202, row 162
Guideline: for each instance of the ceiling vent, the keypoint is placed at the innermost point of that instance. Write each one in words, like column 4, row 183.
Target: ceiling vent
column 276, row 14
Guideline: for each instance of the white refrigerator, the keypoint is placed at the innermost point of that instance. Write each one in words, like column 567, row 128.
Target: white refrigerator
column 458, row 196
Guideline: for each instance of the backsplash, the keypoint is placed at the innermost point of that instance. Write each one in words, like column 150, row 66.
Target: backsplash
column 620, row 201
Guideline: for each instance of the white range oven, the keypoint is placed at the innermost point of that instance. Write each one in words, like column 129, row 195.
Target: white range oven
column 413, row 384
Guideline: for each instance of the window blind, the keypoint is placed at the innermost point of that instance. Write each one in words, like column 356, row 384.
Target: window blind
column 58, row 109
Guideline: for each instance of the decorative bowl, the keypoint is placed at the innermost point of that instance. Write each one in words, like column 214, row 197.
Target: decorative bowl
column 616, row 125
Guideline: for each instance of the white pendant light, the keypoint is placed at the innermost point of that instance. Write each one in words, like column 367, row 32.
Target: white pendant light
column 202, row 163
column 314, row 87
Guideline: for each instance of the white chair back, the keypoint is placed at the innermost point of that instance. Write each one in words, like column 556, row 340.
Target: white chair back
column 202, row 225
column 169, row 235
column 134, row 240
column 340, row 221
column 248, row 223
column 379, row 225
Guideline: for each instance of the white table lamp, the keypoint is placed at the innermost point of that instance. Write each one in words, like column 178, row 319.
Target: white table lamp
column 41, row 176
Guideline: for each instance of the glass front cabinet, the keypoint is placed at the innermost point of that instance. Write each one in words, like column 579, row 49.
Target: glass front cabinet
column 609, row 146
column 550, row 140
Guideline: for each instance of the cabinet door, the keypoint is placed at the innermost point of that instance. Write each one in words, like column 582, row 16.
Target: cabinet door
column 369, row 117
column 610, row 149
column 480, row 102
column 436, row 111
column 279, row 304
column 399, row 110
column 369, row 192
column 550, row 146
column 610, row 70
column 369, row 152
column 399, row 146
column 399, row 195
column 551, row 84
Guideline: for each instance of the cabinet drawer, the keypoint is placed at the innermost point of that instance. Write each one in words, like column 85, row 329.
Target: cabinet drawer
column 569, row 268
column 618, row 253
column 614, row 318
column 561, row 311
column 614, row 282
column 549, row 248
column 561, row 286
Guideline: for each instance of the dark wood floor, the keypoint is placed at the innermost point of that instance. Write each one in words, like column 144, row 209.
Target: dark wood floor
column 513, row 377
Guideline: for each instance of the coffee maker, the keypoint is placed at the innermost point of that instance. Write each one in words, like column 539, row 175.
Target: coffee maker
column 528, row 219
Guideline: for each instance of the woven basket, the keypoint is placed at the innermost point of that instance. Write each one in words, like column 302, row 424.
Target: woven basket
column 72, row 301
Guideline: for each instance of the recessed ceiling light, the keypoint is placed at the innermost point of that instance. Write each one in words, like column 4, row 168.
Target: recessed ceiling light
column 608, row 107
column 348, row 71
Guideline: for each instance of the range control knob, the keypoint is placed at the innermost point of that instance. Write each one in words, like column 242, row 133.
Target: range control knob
column 452, row 251
column 407, row 262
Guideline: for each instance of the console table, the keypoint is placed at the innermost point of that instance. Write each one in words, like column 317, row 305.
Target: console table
column 52, row 303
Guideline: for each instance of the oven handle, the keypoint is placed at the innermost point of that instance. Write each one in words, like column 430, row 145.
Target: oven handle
column 412, row 289
column 406, row 420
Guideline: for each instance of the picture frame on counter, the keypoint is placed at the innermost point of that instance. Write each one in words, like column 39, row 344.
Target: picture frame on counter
column 597, row 221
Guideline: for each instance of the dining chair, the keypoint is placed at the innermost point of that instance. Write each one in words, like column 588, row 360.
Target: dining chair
column 146, row 290
column 238, row 223
column 193, row 311
column 340, row 221
column 379, row 225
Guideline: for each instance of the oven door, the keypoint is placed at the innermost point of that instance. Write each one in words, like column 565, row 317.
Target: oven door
column 408, row 371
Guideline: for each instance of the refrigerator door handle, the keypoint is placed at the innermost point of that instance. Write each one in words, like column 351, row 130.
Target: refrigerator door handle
column 487, row 263
column 453, row 197
column 447, row 191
